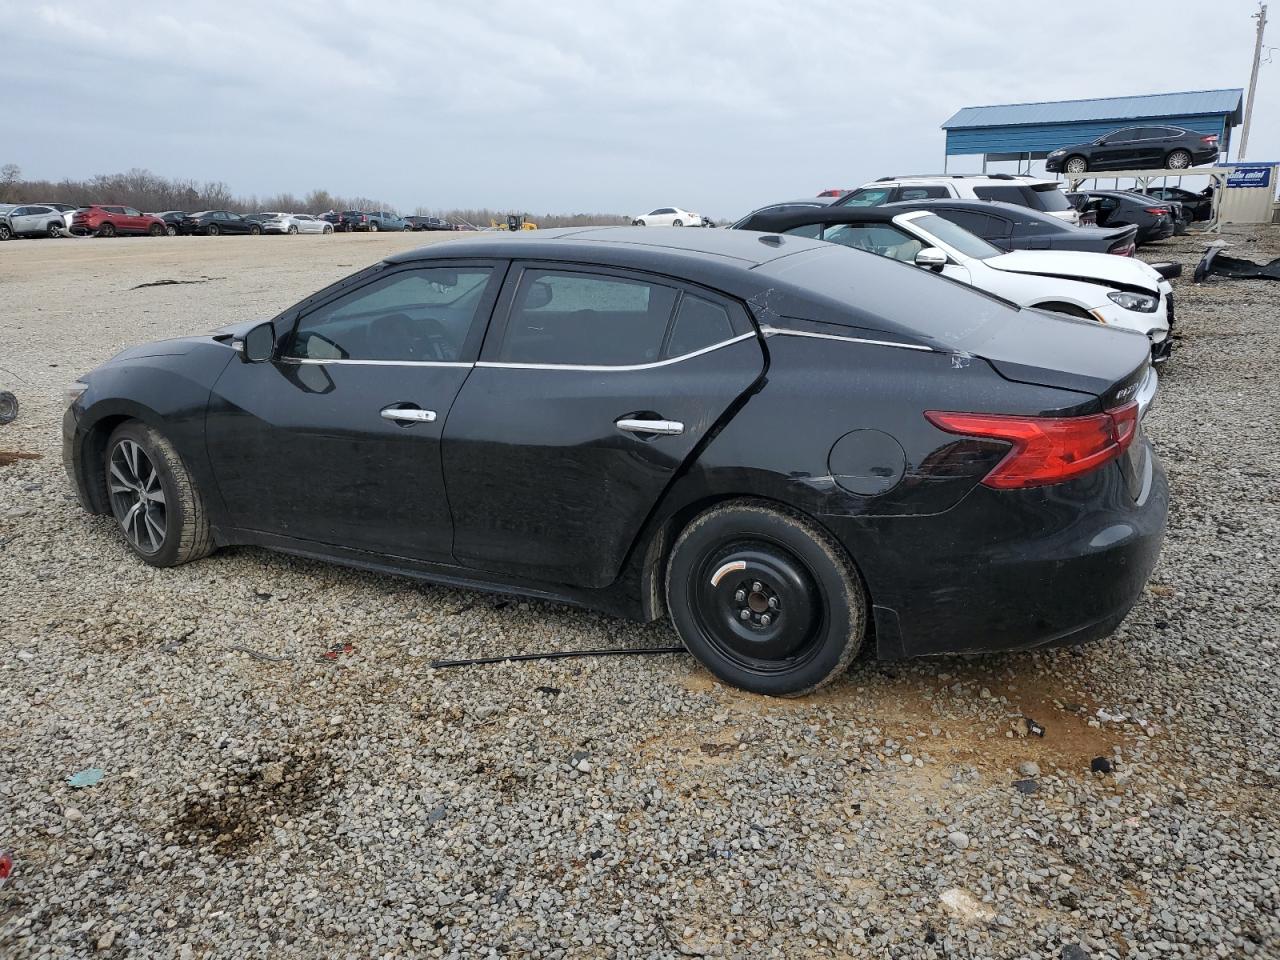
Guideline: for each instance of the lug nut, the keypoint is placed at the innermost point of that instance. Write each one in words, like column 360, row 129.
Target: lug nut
column 746, row 614
column 773, row 603
column 757, row 586
column 765, row 619
column 740, row 596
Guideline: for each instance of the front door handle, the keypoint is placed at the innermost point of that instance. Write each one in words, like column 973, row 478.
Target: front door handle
column 408, row 414
column 667, row 428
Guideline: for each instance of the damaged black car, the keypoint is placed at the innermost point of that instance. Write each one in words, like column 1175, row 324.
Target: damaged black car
column 794, row 449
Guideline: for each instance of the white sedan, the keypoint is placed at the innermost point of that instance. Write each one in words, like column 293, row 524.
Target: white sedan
column 667, row 217
column 294, row 223
column 1118, row 291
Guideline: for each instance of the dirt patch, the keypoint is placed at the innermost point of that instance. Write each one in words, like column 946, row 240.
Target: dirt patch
column 13, row 456
column 239, row 811
column 965, row 714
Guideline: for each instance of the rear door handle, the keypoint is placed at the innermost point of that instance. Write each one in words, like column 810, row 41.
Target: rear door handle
column 667, row 428
column 408, row 414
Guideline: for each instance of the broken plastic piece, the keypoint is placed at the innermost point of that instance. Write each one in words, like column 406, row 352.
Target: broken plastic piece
column 88, row 777
column 6, row 867
column 1213, row 263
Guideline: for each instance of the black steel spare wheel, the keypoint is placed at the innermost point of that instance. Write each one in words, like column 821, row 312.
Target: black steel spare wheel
column 765, row 599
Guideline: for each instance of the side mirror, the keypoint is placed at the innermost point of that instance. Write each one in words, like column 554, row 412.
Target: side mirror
column 259, row 344
column 931, row 258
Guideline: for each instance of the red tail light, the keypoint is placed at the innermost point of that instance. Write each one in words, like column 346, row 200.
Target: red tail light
column 1046, row 450
column 1158, row 211
column 1211, row 138
column 1123, row 250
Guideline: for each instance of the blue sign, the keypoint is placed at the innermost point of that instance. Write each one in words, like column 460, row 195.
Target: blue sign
column 1249, row 175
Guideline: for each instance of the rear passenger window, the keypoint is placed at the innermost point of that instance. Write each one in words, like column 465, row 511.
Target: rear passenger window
column 976, row 223
column 409, row 316
column 699, row 323
column 1005, row 194
column 922, row 193
column 586, row 319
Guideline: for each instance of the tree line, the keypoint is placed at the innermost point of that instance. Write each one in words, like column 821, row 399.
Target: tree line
column 152, row 193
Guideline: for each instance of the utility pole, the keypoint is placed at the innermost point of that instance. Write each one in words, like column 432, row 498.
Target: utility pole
column 1261, row 17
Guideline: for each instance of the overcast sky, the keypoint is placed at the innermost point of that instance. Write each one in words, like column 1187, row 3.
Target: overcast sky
column 574, row 105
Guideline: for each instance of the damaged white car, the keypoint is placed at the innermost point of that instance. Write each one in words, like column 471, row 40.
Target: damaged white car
column 1118, row 291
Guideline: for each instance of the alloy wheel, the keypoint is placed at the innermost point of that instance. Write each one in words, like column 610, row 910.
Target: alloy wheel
column 5, row 232
column 54, row 231
column 1179, row 160
column 1077, row 165
column 137, row 496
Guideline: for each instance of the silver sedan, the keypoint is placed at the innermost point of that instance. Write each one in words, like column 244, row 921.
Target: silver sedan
column 295, row 223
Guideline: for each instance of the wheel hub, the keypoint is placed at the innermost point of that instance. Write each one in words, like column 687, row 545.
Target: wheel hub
column 767, row 611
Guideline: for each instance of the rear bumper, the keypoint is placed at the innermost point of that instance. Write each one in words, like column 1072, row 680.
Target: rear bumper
column 1012, row 570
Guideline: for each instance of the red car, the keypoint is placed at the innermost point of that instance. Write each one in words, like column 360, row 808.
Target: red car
column 109, row 221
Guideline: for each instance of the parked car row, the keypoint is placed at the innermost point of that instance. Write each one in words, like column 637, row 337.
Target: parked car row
column 107, row 220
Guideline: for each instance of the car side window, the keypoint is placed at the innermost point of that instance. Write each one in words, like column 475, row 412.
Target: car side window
column 20, row 212
column 586, row 319
column 699, row 323
column 882, row 239
column 813, row 231
column 419, row 315
column 130, row 212
column 922, row 193
column 978, row 224
column 114, row 209
column 1007, row 194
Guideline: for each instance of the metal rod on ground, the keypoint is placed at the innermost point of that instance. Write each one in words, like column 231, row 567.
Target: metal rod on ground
column 554, row 655
column 1261, row 17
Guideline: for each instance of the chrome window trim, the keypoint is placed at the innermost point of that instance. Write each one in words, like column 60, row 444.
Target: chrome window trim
column 601, row 368
column 780, row 332
column 375, row 363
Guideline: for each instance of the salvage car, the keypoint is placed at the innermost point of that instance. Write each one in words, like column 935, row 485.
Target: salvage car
column 667, row 217
column 1010, row 226
column 1137, row 148
column 212, row 223
column 1198, row 206
column 31, row 220
column 109, row 221
column 1117, row 291
column 172, row 220
column 787, row 445
column 1154, row 219
column 1021, row 189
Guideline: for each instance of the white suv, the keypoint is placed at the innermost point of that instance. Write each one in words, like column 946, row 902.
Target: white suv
column 1026, row 191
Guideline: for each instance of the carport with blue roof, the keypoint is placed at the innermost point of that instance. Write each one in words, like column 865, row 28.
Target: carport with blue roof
column 1024, row 132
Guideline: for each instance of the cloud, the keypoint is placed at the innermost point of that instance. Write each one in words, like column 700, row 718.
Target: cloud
column 569, row 105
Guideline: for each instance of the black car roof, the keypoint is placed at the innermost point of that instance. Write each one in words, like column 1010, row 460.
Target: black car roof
column 622, row 246
column 981, row 206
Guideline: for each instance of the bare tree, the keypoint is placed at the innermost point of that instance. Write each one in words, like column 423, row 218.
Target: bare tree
column 10, row 177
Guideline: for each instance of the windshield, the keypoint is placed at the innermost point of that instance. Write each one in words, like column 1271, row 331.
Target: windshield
column 866, row 197
column 958, row 238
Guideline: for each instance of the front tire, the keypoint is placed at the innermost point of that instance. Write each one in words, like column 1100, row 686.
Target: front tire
column 373, row 227
column 1178, row 160
column 6, row 232
column 765, row 599
column 1076, row 165
column 153, row 497
column 641, row 223
column 328, row 229
column 255, row 230
column 677, row 223
column 212, row 230
column 54, row 231
column 171, row 230
column 293, row 231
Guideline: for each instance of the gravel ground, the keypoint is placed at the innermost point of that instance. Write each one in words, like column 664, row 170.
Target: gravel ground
column 284, row 776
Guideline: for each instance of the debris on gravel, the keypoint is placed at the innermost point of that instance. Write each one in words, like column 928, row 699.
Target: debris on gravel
column 263, row 799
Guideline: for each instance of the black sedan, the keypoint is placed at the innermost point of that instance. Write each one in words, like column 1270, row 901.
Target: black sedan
column 1119, row 208
column 790, row 446
column 172, row 220
column 1197, row 206
column 1013, row 227
column 211, row 223
column 1137, row 148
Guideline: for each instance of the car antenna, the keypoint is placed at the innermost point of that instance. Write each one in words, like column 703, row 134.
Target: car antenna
column 555, row 655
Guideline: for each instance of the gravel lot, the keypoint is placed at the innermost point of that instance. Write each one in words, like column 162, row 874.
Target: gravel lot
column 260, row 799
